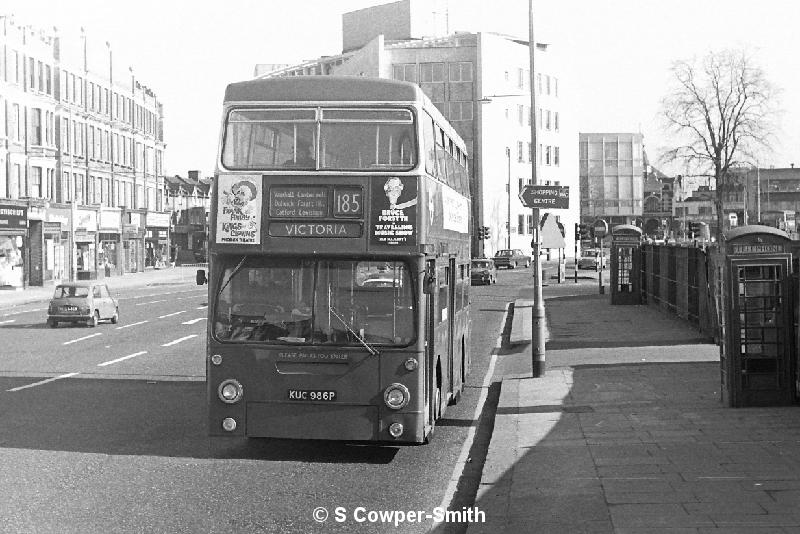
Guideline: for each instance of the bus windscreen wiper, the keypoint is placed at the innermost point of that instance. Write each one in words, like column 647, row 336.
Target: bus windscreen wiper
column 372, row 350
column 233, row 273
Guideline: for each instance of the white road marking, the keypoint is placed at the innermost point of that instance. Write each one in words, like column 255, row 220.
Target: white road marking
column 192, row 321
column 8, row 321
column 122, row 359
column 178, row 340
column 82, row 338
column 202, row 307
column 171, row 314
column 467, row 445
column 43, row 382
column 151, row 302
column 132, row 324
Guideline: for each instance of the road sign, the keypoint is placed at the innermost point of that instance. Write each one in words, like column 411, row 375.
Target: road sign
column 545, row 196
column 600, row 228
column 552, row 234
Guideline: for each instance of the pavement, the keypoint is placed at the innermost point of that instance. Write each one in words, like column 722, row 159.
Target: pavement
column 626, row 433
column 149, row 277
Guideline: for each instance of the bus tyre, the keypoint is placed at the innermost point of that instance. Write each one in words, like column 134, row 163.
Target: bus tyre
column 115, row 317
column 95, row 318
column 51, row 323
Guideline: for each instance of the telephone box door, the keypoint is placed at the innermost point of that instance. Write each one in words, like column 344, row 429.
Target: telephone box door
column 758, row 370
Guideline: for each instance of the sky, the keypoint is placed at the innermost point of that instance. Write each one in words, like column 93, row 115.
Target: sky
column 615, row 55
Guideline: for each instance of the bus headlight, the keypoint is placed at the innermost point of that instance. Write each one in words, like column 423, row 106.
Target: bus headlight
column 229, row 424
column 396, row 396
column 216, row 359
column 230, row 391
column 396, row 430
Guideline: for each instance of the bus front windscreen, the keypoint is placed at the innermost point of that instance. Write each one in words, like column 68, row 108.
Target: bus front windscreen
column 325, row 302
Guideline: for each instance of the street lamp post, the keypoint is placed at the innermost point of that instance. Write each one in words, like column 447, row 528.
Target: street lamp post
column 538, row 313
column 508, row 191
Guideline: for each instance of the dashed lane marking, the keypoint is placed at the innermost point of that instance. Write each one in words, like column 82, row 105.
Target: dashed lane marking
column 151, row 302
column 180, row 339
column 82, row 338
column 132, row 324
column 171, row 314
column 192, row 321
column 39, row 383
column 129, row 356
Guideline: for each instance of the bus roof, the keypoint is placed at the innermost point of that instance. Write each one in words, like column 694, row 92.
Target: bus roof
column 332, row 88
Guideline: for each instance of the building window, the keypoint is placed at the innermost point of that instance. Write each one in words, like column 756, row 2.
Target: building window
column 431, row 72
column 16, row 126
column 530, row 223
column 519, row 152
column 461, row 71
column 547, row 155
column 36, row 183
column 520, row 224
column 521, row 78
column 547, row 83
column 401, row 71
column 530, row 152
column 539, row 82
column 521, row 114
column 36, row 126
column 556, row 156
column 555, row 86
column 547, row 119
column 460, row 111
column 555, row 120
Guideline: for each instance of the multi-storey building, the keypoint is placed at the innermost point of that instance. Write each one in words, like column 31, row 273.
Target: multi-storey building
column 81, row 150
column 189, row 201
column 481, row 83
column 611, row 177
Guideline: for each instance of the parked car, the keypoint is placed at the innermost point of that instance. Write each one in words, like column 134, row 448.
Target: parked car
column 591, row 258
column 483, row 271
column 86, row 302
column 511, row 258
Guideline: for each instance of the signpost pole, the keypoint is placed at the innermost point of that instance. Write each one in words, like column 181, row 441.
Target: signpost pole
column 538, row 313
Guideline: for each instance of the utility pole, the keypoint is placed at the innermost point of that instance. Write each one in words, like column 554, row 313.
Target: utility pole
column 538, row 313
column 508, row 191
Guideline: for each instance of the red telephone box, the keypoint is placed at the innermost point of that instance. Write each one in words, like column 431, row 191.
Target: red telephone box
column 757, row 362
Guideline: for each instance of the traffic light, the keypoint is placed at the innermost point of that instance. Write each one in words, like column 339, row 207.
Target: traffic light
column 585, row 231
column 480, row 233
column 487, row 232
column 483, row 233
column 577, row 232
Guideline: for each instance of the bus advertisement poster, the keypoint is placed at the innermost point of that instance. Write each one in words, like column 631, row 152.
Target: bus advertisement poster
column 394, row 211
column 239, row 210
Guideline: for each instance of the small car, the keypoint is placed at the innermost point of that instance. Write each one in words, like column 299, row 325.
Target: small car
column 483, row 271
column 511, row 258
column 86, row 302
column 591, row 257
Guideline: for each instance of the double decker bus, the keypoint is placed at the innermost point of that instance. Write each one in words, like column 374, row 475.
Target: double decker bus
column 339, row 262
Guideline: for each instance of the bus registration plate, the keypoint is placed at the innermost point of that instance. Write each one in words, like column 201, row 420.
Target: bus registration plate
column 316, row 395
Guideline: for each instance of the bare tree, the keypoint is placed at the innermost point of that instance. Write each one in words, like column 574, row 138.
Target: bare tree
column 722, row 110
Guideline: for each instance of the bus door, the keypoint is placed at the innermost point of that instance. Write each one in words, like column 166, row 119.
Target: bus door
column 452, row 274
column 430, row 341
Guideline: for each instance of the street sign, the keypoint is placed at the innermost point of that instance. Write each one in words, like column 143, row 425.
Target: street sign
column 600, row 228
column 545, row 196
column 552, row 233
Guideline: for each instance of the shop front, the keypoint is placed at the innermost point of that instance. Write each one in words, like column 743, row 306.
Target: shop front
column 133, row 232
column 85, row 257
column 13, row 243
column 110, row 256
column 156, row 239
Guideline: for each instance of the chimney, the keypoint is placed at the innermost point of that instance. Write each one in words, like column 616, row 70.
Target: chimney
column 194, row 175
